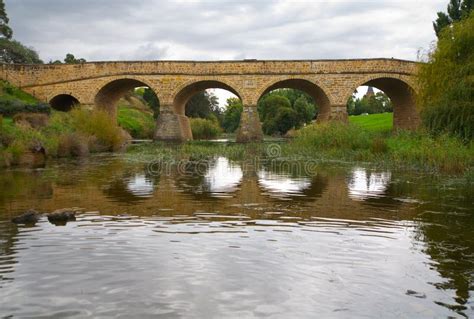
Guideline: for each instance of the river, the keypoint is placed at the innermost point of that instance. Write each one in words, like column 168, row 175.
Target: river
column 228, row 239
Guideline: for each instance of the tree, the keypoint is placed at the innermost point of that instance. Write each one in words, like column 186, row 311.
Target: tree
column 269, row 105
column 5, row 31
column 71, row 59
column 299, row 109
column 12, row 51
column 457, row 10
column 283, row 121
column 150, row 97
column 202, row 105
column 378, row 103
column 305, row 111
column 446, row 82
column 232, row 114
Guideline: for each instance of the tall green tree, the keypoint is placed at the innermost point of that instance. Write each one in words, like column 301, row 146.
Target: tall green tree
column 5, row 31
column 12, row 51
column 150, row 97
column 232, row 114
column 447, row 84
column 202, row 105
column 457, row 10
column 284, row 109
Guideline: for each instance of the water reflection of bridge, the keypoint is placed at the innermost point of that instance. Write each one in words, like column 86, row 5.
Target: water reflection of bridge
column 226, row 187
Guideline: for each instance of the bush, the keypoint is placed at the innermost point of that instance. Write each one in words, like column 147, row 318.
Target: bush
column 204, row 129
column 73, row 144
column 107, row 135
column 284, row 120
column 31, row 119
column 10, row 107
column 446, row 82
column 443, row 153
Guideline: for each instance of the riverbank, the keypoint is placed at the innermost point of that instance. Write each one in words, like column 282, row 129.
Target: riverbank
column 333, row 142
column 81, row 132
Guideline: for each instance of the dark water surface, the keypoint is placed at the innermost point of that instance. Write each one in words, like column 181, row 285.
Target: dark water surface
column 231, row 241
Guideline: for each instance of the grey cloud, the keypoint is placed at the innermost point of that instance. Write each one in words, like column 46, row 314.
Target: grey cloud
column 155, row 29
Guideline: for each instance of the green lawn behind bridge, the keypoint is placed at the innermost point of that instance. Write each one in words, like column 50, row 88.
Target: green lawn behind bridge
column 374, row 122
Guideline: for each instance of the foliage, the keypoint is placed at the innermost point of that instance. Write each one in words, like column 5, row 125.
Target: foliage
column 12, row 51
column 150, row 97
column 9, row 91
column 14, row 101
column 442, row 153
column 418, row 150
column 284, row 120
column 202, row 104
column 332, row 135
column 97, row 124
column 457, row 10
column 373, row 104
column 5, row 31
column 447, row 84
column 69, row 59
column 232, row 114
column 204, row 129
column 374, row 122
column 268, row 106
column 138, row 123
column 284, row 109
column 304, row 110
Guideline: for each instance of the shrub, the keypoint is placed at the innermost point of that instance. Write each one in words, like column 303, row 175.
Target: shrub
column 32, row 119
column 107, row 135
column 10, row 107
column 204, row 129
column 446, row 82
column 73, row 144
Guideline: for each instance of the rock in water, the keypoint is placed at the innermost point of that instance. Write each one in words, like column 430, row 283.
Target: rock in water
column 28, row 217
column 63, row 215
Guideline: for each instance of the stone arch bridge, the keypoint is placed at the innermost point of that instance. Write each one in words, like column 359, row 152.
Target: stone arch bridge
column 329, row 82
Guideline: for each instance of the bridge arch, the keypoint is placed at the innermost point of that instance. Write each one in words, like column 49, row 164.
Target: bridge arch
column 314, row 90
column 188, row 90
column 402, row 93
column 63, row 102
column 110, row 93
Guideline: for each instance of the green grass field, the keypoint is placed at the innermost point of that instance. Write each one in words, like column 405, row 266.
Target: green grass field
column 138, row 123
column 374, row 122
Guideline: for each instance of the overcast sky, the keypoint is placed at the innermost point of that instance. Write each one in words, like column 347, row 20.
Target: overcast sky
column 217, row 30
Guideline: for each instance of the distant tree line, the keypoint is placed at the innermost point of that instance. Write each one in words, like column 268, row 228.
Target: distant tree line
column 370, row 104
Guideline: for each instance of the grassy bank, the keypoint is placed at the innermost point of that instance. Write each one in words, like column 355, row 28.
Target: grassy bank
column 366, row 139
column 33, row 138
column 139, row 123
column 414, row 150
